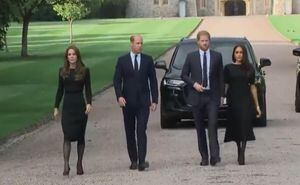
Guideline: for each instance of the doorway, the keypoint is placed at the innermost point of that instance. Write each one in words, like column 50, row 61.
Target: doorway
column 235, row 7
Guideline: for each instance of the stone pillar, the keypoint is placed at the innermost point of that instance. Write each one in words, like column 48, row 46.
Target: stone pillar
column 253, row 7
column 191, row 8
column 282, row 7
column 217, row 7
column 248, row 7
column 222, row 7
column 288, row 6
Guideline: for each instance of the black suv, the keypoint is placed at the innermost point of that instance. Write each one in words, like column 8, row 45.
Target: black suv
column 174, row 91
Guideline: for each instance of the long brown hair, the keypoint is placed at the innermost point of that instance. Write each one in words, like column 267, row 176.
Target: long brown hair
column 80, row 67
column 246, row 66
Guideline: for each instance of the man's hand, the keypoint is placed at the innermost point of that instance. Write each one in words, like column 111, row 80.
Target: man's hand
column 122, row 102
column 198, row 87
column 88, row 108
column 55, row 114
column 153, row 107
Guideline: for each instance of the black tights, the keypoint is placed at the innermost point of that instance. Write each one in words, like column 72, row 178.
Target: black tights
column 241, row 145
column 67, row 151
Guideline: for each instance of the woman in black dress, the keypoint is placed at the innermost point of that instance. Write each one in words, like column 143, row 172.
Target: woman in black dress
column 242, row 100
column 73, row 77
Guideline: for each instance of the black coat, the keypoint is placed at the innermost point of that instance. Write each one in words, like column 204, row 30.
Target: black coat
column 136, row 87
column 192, row 72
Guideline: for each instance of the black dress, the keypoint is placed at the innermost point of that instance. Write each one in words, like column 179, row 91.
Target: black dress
column 241, row 112
column 74, row 118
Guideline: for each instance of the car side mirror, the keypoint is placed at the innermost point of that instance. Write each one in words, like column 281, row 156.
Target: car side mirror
column 264, row 62
column 161, row 64
column 296, row 52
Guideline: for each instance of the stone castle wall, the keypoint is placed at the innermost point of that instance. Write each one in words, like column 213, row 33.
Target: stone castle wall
column 147, row 8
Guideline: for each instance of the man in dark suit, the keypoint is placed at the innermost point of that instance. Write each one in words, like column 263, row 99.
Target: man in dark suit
column 136, row 89
column 203, row 72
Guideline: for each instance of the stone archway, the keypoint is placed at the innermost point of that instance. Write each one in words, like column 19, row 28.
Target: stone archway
column 235, row 7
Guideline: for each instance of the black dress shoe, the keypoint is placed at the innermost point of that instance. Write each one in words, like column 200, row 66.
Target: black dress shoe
column 133, row 166
column 214, row 161
column 143, row 166
column 204, row 162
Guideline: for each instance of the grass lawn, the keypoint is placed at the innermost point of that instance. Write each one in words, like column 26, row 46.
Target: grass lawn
column 28, row 86
column 288, row 25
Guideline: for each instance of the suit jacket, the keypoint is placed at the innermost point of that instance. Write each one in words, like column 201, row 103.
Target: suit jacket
column 136, row 87
column 192, row 72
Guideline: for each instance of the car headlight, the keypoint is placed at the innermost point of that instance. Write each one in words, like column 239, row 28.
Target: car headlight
column 172, row 82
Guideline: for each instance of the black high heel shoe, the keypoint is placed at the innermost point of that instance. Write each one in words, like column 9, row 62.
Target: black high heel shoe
column 242, row 153
column 66, row 172
column 239, row 150
column 239, row 155
column 242, row 158
column 80, row 170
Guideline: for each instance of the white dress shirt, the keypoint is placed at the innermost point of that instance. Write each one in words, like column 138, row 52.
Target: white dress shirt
column 132, row 55
column 208, row 65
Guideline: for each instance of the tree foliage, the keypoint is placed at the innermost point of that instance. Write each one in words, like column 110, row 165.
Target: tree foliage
column 71, row 10
column 4, row 22
column 22, row 10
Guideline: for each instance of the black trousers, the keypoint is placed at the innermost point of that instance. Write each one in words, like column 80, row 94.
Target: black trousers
column 135, row 122
column 207, row 105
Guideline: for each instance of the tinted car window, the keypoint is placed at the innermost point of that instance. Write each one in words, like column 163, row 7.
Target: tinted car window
column 182, row 52
column 223, row 47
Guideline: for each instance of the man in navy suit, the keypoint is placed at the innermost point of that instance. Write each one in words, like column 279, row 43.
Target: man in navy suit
column 203, row 72
column 136, row 89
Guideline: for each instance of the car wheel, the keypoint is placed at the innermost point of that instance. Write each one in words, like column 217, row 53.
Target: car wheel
column 167, row 122
column 262, row 121
column 297, row 98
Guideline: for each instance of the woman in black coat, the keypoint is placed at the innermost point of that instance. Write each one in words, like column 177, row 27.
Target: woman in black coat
column 242, row 100
column 73, row 78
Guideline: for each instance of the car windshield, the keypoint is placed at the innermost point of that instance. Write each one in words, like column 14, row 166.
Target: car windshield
column 225, row 48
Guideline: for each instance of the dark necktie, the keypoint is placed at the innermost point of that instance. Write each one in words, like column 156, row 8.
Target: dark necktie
column 204, row 80
column 136, row 67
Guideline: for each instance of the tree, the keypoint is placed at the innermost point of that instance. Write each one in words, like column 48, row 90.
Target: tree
column 71, row 10
column 4, row 23
column 23, row 11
